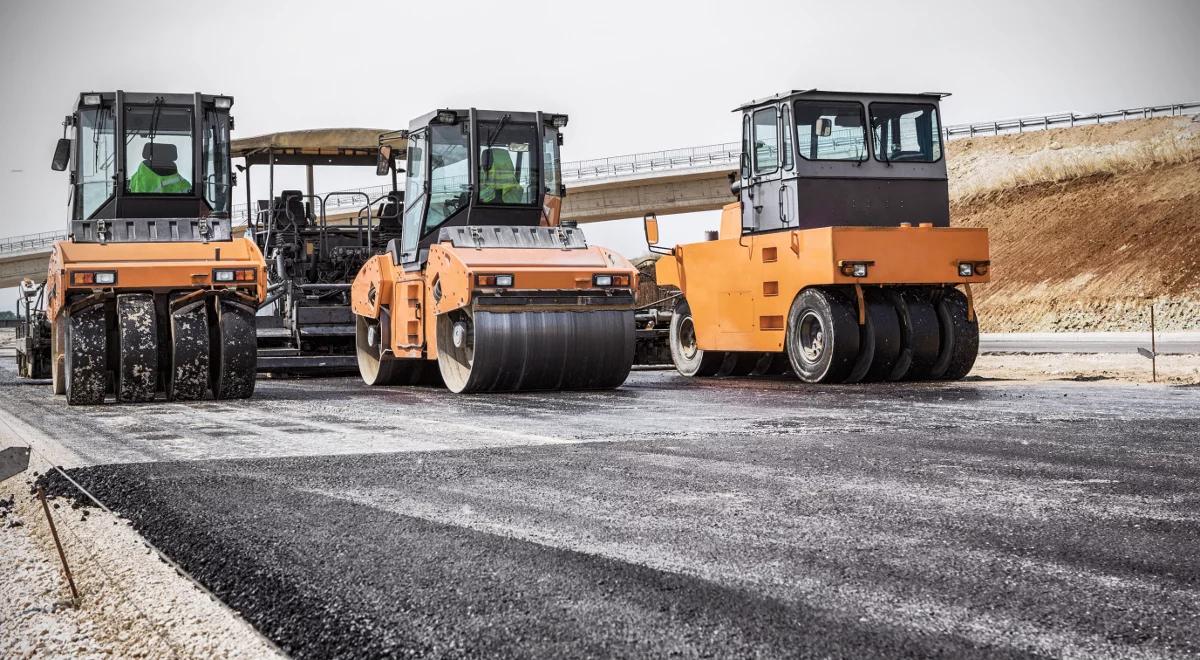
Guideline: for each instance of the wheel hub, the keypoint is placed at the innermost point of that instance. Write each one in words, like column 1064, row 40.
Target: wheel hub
column 687, row 338
column 812, row 337
column 459, row 334
column 372, row 336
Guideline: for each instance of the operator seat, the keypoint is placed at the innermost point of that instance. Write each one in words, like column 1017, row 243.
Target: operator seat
column 390, row 211
column 160, row 158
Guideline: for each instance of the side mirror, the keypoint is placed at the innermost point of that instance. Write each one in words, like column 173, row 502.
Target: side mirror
column 562, row 190
column 383, row 162
column 650, row 226
column 62, row 155
column 824, row 127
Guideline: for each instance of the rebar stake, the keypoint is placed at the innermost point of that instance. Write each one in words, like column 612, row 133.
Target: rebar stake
column 61, row 555
column 1153, row 349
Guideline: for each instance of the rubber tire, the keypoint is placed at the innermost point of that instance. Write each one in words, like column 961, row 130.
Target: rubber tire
column 880, row 344
column 960, row 337
column 235, row 362
column 839, row 336
column 137, row 348
column 188, row 376
column 925, row 334
column 738, row 364
column 771, row 364
column 700, row 362
column 58, row 375
column 86, row 367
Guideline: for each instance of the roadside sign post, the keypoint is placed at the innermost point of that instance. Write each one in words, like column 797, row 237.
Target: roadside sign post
column 1153, row 352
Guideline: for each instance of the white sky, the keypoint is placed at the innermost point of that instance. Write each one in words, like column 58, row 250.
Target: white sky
column 633, row 75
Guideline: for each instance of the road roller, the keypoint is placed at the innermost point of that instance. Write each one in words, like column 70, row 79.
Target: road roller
column 486, row 290
column 150, row 294
column 837, row 262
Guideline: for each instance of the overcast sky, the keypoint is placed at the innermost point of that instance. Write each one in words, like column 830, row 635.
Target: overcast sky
column 633, row 75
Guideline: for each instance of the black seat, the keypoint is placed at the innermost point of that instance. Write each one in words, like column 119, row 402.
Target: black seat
column 160, row 157
column 390, row 211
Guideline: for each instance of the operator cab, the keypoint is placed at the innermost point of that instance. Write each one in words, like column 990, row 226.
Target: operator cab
column 478, row 167
column 814, row 158
column 167, row 179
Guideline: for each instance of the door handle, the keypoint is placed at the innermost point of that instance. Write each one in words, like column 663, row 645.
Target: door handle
column 783, row 219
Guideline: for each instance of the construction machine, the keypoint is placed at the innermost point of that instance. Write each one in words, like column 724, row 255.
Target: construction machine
column 837, row 261
column 150, row 293
column 32, row 345
column 315, row 244
column 485, row 280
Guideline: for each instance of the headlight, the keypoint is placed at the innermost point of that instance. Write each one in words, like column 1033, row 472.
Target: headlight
column 106, row 278
column 91, row 99
column 447, row 116
column 558, row 121
column 223, row 102
column 231, row 275
column 602, row 280
column 966, row 269
column 855, row 268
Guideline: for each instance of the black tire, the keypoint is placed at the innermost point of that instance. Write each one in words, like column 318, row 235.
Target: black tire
column 235, row 352
column 86, row 366
column 689, row 358
column 822, row 336
column 738, row 363
column 771, row 364
column 137, row 348
column 960, row 337
column 188, row 373
column 879, row 346
column 925, row 334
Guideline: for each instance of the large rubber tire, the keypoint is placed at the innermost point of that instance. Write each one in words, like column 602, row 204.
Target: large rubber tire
column 822, row 336
column 137, row 348
column 689, row 358
column 235, row 351
column 58, row 340
column 190, row 356
column 923, row 334
column 771, row 364
column 86, row 367
column 960, row 337
column 738, row 363
column 535, row 350
column 880, row 344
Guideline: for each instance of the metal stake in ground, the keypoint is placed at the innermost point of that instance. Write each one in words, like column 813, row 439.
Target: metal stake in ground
column 61, row 555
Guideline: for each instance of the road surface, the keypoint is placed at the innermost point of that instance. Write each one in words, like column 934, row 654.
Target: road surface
column 730, row 518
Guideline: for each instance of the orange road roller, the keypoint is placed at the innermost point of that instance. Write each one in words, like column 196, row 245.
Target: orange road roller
column 485, row 279
column 838, row 261
column 150, row 293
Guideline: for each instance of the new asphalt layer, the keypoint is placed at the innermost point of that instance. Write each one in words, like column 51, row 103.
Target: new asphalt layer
column 729, row 518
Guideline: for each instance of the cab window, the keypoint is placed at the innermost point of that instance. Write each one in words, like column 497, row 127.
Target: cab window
column 766, row 141
column 158, row 150
column 449, row 176
column 414, row 195
column 787, row 138
column 506, row 164
column 830, row 130
column 906, row 132
column 551, row 178
column 98, row 159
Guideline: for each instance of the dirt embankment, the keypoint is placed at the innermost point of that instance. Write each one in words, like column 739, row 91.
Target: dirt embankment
column 1088, row 225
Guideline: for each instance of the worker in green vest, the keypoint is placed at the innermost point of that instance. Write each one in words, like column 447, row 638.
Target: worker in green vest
column 157, row 172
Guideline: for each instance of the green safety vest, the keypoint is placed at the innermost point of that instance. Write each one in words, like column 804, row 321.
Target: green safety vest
column 146, row 180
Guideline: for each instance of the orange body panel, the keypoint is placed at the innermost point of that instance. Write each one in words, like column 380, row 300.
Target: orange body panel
column 740, row 288
column 153, row 267
column 409, row 295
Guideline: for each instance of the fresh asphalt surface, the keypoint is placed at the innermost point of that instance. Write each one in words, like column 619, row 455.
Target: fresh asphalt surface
column 729, row 518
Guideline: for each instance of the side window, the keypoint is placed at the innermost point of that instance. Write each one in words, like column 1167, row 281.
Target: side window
column 906, row 132
column 787, row 138
column 766, row 141
column 551, row 179
column 414, row 194
column 97, row 162
column 830, row 130
column 745, row 161
column 449, row 179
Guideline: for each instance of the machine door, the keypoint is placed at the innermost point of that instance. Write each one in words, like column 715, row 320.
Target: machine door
column 762, row 210
column 787, row 176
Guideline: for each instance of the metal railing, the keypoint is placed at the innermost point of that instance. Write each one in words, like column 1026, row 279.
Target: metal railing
column 712, row 155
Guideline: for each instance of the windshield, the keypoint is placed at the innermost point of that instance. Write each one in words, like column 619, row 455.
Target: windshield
column 830, row 130
column 906, row 132
column 506, row 164
column 98, row 158
column 216, row 161
column 158, row 150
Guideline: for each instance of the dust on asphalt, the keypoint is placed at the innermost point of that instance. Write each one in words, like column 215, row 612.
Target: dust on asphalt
column 729, row 518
